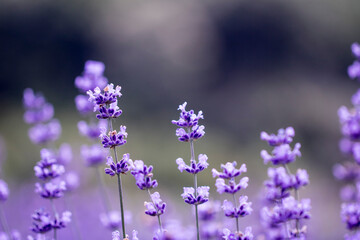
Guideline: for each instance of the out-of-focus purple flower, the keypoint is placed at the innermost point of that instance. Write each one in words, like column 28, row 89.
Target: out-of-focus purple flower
column 64, row 154
column 195, row 167
column 282, row 154
column 284, row 136
column 122, row 166
column 61, row 222
column 42, row 222
column 350, row 215
column 346, row 146
column 109, row 95
column 209, row 210
column 229, row 170
column 114, row 138
column 352, row 236
column 156, row 207
column 350, row 122
column 349, row 171
column 211, row 230
column 355, row 99
column 116, row 235
column 231, row 187
column 354, row 70
column 44, row 133
column 4, row 191
column 202, row 195
column 247, row 235
column 51, row 189
column 91, row 131
column 32, row 100
column 92, row 76
column 42, row 114
column 83, row 105
column 143, row 175
column 93, row 155
column 242, row 210
column 111, row 220
column 355, row 49
column 348, row 193
column 72, row 181
column 47, row 167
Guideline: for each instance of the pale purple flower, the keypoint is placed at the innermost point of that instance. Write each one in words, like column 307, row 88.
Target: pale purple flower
column 350, row 122
column 143, row 175
column 72, row 181
column 93, row 155
column 4, row 191
column 91, row 130
column 156, row 207
column 114, row 138
column 349, row 171
column 354, row 70
column 247, row 235
column 229, row 170
column 51, row 190
column 109, row 111
column 232, row 187
column 202, row 195
column 41, row 221
column 64, row 154
column 109, row 95
column 112, row 219
column 284, row 136
column 122, row 166
column 242, row 210
column 116, row 235
column 42, row 114
column 47, row 167
column 92, row 76
column 32, row 100
column 209, row 210
column 282, row 154
column 355, row 49
column 195, row 167
column 352, row 236
column 44, row 133
column 346, row 146
column 350, row 214
column 83, row 105
column 355, row 99
column 195, row 133
column 187, row 118
column 61, row 222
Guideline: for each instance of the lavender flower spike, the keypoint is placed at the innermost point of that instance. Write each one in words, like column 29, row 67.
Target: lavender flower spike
column 156, row 207
column 114, row 138
column 195, row 167
column 283, row 136
column 143, row 175
column 122, row 166
column 247, row 235
column 229, row 171
column 282, row 154
column 116, row 236
column 4, row 191
column 242, row 210
column 202, row 197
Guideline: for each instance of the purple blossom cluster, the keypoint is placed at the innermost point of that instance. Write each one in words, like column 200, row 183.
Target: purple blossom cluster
column 226, row 183
column 349, row 171
column 39, row 114
column 189, row 130
column 285, row 213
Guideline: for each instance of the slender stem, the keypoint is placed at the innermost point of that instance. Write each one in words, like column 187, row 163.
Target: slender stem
column 103, row 193
column 237, row 219
column 296, row 192
column 4, row 223
column 195, row 186
column 121, row 206
column 75, row 226
column 157, row 211
column 56, row 215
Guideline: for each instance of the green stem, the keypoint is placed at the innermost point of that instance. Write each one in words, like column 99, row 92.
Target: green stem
column 157, row 211
column 4, row 222
column 195, row 186
column 121, row 206
column 56, row 215
column 237, row 219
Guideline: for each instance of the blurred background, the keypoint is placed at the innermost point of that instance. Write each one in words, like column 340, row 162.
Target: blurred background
column 248, row 65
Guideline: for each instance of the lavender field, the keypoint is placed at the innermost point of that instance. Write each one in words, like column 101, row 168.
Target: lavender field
column 179, row 120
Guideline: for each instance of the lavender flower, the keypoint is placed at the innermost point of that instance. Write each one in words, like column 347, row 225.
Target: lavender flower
column 195, row 167
column 83, row 105
column 51, row 190
column 72, row 181
column 92, row 76
column 114, row 138
column 111, row 220
column 209, row 210
column 44, row 133
column 47, row 167
column 279, row 186
column 350, row 214
column 242, row 210
column 143, row 175
column 190, row 198
column 42, row 222
column 91, row 131
column 93, row 155
column 232, row 187
column 61, row 222
column 229, row 171
column 4, row 191
column 109, row 96
column 247, row 235
column 156, row 207
column 123, row 166
column 37, row 109
column 116, row 235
